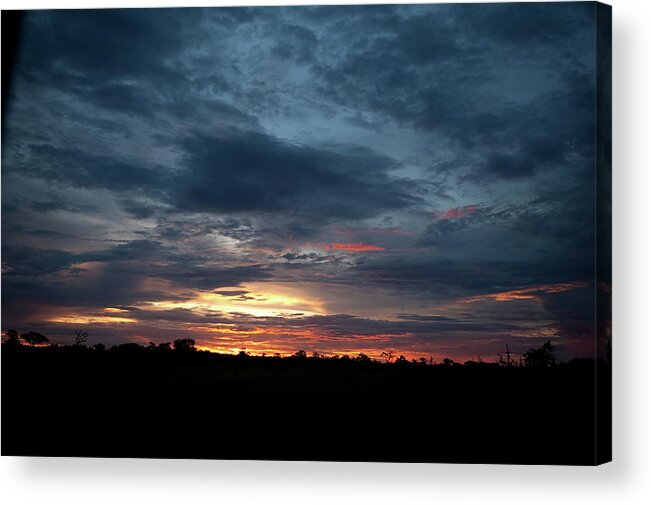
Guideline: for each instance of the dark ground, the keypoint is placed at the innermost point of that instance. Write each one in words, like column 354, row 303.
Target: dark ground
column 151, row 404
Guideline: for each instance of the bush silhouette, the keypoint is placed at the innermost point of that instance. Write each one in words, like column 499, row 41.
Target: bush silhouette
column 12, row 339
column 542, row 357
column 184, row 345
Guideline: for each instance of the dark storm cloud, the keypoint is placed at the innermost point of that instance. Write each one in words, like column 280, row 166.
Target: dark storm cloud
column 348, row 326
column 55, row 277
column 574, row 311
column 447, row 278
column 143, row 250
column 561, row 221
column 525, row 26
column 29, row 262
column 298, row 43
column 440, row 71
column 137, row 209
column 78, row 168
column 191, row 271
column 108, row 53
column 107, row 42
column 243, row 172
column 239, row 172
column 255, row 172
column 416, row 317
column 206, row 277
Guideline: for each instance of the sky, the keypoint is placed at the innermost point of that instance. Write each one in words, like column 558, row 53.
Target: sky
column 414, row 178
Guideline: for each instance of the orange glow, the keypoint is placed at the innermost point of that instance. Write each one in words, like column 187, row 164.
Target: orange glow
column 262, row 300
column 528, row 293
column 278, row 347
column 226, row 330
column 114, row 310
column 338, row 246
column 227, row 338
column 548, row 332
column 79, row 319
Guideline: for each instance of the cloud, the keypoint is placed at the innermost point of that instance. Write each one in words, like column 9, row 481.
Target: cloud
column 429, row 154
column 247, row 171
column 417, row 317
column 232, row 292
column 529, row 292
column 458, row 212
column 350, row 248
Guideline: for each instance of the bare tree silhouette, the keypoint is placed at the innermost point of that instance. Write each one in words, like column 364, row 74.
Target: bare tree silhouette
column 504, row 359
column 388, row 355
column 80, row 337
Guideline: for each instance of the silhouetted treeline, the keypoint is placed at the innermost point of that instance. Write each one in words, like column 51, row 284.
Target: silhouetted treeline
column 172, row 400
column 543, row 356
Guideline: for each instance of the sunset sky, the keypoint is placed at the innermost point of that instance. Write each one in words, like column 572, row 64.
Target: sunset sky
column 333, row 179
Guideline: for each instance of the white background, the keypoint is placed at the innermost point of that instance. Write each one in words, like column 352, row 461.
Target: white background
column 627, row 480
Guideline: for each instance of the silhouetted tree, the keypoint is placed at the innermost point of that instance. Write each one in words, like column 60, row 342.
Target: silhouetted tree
column 165, row 346
column 80, row 337
column 129, row 347
column 401, row 360
column 363, row 358
column 504, row 359
column 542, row 357
column 184, row 345
column 447, row 362
column 387, row 355
column 11, row 339
column 33, row 338
column 300, row 354
column 99, row 347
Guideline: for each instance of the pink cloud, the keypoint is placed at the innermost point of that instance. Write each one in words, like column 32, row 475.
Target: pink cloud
column 459, row 212
column 351, row 248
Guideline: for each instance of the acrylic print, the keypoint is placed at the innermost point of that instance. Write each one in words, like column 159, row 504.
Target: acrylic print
column 343, row 233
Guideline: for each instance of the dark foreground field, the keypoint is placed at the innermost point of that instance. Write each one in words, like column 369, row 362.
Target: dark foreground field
column 78, row 402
